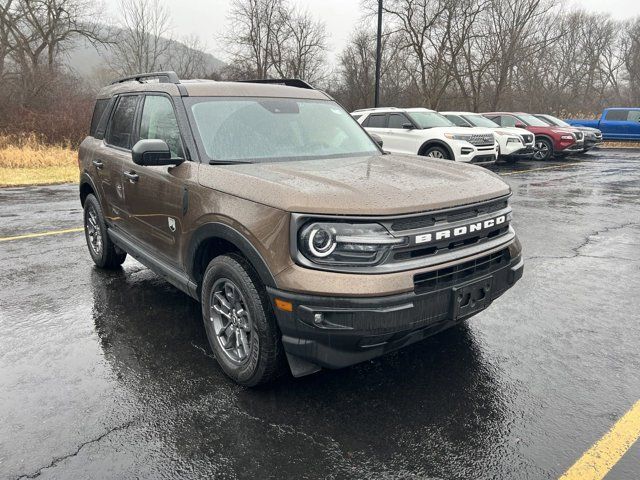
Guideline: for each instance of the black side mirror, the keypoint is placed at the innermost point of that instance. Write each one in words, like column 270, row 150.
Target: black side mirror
column 152, row 152
column 407, row 126
column 377, row 139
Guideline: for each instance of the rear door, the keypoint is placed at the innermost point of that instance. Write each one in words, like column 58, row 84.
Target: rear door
column 634, row 124
column 377, row 123
column 113, row 151
column 156, row 196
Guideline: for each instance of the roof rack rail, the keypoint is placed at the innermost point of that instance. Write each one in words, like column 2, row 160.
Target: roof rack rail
column 289, row 82
column 163, row 77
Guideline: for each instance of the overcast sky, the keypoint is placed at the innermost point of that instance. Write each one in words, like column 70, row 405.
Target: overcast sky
column 207, row 18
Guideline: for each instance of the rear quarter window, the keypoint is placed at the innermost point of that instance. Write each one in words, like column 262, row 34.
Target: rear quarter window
column 98, row 111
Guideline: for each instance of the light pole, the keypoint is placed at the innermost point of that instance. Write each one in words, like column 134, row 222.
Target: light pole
column 376, row 99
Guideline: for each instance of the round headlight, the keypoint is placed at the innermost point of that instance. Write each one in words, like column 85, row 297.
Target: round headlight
column 321, row 242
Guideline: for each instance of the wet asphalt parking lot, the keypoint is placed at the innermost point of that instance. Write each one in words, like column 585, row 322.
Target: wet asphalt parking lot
column 109, row 374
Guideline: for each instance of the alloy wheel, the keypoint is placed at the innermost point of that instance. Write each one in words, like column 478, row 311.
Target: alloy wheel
column 541, row 151
column 93, row 231
column 231, row 320
column 435, row 154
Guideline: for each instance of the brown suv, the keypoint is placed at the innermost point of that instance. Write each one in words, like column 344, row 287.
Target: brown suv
column 305, row 243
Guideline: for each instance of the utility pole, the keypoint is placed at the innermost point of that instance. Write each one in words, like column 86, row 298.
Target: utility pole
column 378, row 55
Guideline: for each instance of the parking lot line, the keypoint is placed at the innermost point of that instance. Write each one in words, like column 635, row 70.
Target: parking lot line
column 539, row 169
column 41, row 234
column 607, row 451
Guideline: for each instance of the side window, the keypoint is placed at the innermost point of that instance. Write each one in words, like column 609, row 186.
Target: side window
column 397, row 120
column 457, row 121
column 159, row 122
column 618, row 115
column 356, row 117
column 120, row 128
column 634, row 116
column 376, row 121
column 98, row 111
column 508, row 121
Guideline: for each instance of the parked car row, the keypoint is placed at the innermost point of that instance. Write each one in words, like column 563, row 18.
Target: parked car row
column 473, row 137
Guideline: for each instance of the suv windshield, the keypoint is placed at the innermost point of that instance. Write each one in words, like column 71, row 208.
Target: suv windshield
column 532, row 121
column 430, row 119
column 246, row 129
column 480, row 121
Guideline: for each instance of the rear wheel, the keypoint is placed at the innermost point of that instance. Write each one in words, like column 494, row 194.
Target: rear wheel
column 436, row 152
column 240, row 326
column 543, row 149
column 102, row 250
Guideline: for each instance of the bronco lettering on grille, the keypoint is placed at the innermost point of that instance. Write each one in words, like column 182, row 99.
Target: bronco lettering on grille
column 460, row 231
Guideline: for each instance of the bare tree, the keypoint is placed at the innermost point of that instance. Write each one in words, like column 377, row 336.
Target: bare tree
column 187, row 57
column 299, row 47
column 35, row 33
column 143, row 42
column 253, row 25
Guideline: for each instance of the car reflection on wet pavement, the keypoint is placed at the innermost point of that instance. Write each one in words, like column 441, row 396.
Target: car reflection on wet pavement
column 109, row 374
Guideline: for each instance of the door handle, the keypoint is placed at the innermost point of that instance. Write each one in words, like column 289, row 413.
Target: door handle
column 98, row 164
column 132, row 176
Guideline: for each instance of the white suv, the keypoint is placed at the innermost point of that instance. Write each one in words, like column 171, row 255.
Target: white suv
column 425, row 132
column 514, row 143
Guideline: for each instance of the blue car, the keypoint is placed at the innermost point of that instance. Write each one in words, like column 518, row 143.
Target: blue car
column 615, row 124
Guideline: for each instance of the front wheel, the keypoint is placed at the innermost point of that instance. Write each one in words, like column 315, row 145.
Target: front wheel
column 436, row 152
column 240, row 326
column 543, row 149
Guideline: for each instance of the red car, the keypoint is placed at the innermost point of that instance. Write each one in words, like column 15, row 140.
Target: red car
column 550, row 140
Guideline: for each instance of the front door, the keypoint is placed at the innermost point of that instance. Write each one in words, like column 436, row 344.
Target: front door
column 156, row 196
column 400, row 139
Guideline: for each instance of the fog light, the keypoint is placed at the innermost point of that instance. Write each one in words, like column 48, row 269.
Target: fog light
column 318, row 319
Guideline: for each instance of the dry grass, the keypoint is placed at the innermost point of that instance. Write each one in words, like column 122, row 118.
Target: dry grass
column 24, row 160
column 621, row 145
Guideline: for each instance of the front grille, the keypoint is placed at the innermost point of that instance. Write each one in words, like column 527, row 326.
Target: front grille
column 447, row 277
column 480, row 140
column 454, row 215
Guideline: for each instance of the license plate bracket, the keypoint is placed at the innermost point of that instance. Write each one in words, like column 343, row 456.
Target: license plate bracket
column 472, row 297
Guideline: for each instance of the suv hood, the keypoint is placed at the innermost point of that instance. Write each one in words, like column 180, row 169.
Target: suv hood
column 462, row 130
column 512, row 131
column 375, row 185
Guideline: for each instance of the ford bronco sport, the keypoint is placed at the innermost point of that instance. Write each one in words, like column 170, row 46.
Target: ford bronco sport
column 306, row 245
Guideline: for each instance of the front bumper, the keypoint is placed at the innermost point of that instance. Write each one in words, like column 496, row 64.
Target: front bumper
column 335, row 332
column 575, row 148
column 522, row 153
column 475, row 154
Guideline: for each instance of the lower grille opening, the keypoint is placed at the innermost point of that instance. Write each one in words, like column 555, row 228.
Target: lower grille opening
column 445, row 277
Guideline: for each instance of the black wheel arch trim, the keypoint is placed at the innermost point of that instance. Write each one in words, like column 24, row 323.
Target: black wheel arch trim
column 216, row 230
column 436, row 143
column 84, row 180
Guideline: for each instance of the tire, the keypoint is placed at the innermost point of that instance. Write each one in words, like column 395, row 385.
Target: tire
column 246, row 345
column 543, row 149
column 102, row 250
column 436, row 152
